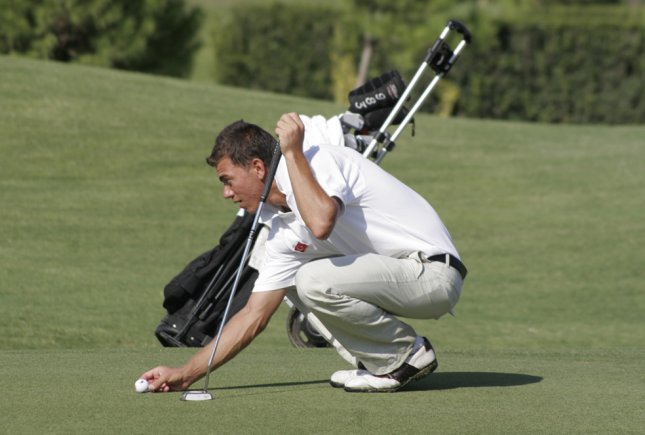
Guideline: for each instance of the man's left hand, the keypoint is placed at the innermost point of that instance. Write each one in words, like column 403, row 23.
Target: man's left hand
column 291, row 133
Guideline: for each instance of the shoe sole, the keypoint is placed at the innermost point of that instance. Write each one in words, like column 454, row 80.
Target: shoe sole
column 421, row 374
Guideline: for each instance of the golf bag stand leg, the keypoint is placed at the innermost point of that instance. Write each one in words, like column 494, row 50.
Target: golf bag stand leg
column 440, row 59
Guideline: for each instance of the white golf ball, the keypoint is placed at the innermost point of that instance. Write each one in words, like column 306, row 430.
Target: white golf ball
column 141, row 386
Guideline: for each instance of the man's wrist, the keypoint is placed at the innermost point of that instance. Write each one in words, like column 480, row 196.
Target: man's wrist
column 190, row 373
column 292, row 153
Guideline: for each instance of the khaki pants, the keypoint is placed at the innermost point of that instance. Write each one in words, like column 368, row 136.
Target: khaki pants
column 359, row 298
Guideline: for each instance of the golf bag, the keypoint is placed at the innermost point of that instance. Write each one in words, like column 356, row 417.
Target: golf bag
column 195, row 299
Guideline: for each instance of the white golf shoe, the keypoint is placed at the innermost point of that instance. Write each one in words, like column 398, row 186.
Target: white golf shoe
column 420, row 363
column 339, row 378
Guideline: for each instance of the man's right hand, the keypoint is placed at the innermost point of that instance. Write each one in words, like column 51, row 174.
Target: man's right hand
column 163, row 379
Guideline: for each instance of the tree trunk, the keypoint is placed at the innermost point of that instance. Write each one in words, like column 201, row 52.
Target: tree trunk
column 366, row 56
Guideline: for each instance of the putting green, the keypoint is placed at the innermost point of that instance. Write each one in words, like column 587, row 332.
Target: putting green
column 285, row 390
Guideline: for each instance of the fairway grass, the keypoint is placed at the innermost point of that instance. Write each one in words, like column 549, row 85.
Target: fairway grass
column 285, row 391
column 105, row 196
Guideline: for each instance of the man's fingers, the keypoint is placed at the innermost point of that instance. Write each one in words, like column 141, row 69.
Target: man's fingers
column 293, row 116
column 154, row 386
column 163, row 388
column 148, row 376
column 290, row 120
column 290, row 131
column 157, row 379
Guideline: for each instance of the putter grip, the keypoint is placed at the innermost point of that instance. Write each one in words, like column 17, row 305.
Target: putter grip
column 460, row 27
column 277, row 153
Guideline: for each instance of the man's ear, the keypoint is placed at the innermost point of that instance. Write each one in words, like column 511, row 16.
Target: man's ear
column 258, row 167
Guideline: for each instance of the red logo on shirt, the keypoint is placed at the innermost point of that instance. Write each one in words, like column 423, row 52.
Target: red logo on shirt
column 300, row 247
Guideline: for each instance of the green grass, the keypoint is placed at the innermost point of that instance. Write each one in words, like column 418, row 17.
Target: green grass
column 105, row 196
column 478, row 392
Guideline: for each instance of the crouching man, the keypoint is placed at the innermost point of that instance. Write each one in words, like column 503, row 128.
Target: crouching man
column 348, row 242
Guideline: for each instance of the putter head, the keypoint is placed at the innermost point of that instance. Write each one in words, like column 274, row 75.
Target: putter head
column 196, row 396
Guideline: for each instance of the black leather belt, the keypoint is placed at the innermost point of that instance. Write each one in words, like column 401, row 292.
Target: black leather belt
column 452, row 261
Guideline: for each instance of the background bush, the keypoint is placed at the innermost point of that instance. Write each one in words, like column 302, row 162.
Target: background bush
column 153, row 36
column 278, row 48
column 574, row 63
column 563, row 64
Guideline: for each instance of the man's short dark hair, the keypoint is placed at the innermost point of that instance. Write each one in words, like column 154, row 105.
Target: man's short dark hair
column 242, row 142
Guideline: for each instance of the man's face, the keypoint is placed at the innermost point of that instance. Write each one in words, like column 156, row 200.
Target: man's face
column 242, row 185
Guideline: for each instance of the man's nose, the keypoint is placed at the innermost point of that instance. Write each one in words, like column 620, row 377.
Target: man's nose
column 228, row 192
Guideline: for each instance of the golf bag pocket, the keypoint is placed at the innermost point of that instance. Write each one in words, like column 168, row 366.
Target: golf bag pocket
column 375, row 119
column 380, row 92
column 184, row 286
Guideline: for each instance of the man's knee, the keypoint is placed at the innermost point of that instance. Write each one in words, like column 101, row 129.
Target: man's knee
column 312, row 286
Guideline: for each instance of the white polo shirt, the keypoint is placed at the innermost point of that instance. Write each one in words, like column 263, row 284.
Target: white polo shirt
column 379, row 214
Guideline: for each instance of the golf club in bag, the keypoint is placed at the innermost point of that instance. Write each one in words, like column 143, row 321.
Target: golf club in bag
column 196, row 298
column 275, row 159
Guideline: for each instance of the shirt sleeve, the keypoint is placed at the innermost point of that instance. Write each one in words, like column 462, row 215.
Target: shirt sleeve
column 289, row 245
column 329, row 174
column 281, row 262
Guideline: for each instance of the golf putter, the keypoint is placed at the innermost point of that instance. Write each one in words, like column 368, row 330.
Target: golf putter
column 204, row 394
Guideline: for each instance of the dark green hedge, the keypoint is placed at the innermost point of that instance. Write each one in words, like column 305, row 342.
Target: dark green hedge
column 153, row 36
column 278, row 48
column 578, row 64
column 573, row 64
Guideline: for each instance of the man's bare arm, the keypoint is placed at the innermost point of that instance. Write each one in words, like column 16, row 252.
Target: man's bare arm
column 317, row 209
column 237, row 334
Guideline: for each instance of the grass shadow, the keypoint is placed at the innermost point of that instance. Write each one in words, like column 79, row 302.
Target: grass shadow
column 275, row 387
column 436, row 381
column 451, row 380
column 276, row 384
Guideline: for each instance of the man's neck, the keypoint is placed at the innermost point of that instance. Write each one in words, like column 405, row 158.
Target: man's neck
column 278, row 199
